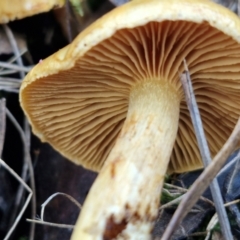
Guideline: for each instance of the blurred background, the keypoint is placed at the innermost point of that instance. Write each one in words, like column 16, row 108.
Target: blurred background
column 36, row 38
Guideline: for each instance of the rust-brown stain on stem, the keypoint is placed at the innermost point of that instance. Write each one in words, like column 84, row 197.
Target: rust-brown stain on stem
column 113, row 166
column 113, row 229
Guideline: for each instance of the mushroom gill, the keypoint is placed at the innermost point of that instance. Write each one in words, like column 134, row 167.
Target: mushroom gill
column 98, row 86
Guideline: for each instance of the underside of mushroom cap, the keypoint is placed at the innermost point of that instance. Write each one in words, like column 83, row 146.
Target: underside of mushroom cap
column 77, row 99
column 17, row 9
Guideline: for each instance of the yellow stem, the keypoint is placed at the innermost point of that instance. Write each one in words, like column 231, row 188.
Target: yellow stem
column 123, row 202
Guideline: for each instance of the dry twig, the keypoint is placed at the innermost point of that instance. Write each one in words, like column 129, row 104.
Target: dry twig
column 15, row 67
column 2, row 123
column 41, row 219
column 26, row 142
column 17, row 219
column 29, row 165
column 204, row 151
column 200, row 185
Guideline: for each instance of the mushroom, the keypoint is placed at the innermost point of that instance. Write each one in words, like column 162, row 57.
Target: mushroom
column 17, row 9
column 112, row 101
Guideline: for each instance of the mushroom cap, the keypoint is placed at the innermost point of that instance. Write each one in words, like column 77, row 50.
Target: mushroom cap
column 77, row 99
column 17, row 9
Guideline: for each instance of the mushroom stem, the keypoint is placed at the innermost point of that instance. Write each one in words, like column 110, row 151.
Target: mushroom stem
column 123, row 202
